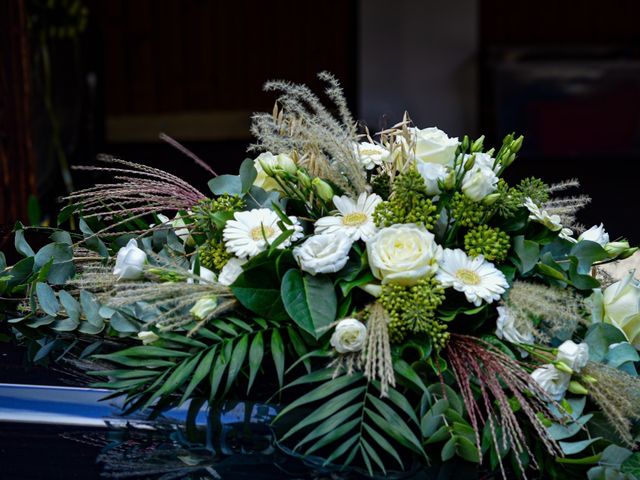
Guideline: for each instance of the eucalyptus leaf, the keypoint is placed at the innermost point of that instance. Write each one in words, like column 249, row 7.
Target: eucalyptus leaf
column 20, row 243
column 47, row 299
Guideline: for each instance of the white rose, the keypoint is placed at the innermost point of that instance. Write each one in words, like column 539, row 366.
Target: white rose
column 552, row 381
column 596, row 234
column 508, row 329
column 479, row 182
column 130, row 262
column 432, row 173
column 147, row 337
column 574, row 355
column 231, row 271
column 272, row 163
column 371, row 155
column 403, row 254
column 325, row 253
column 349, row 336
column 431, row 145
column 206, row 275
column 619, row 305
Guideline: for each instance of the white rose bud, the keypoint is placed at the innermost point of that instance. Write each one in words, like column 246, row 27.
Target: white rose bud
column 403, row 254
column 432, row 173
column 479, row 182
column 147, row 337
column 574, row 355
column 349, row 336
column 595, row 234
column 286, row 163
column 231, row 271
column 620, row 250
column 204, row 307
column 324, row 253
column 552, row 381
column 323, row 189
column 264, row 165
column 431, row 145
column 130, row 262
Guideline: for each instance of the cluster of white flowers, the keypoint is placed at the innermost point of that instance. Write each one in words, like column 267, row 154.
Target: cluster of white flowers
column 555, row 378
column 536, row 214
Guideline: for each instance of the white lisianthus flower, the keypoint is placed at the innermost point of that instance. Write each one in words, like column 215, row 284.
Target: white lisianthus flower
column 479, row 182
column 432, row 173
column 371, row 155
column 206, row 275
column 552, row 222
column 552, row 381
column 597, row 234
column 430, row 145
column 403, row 254
column 231, row 271
column 619, row 305
column 573, row 355
column 204, row 307
column 509, row 329
column 355, row 219
column 475, row 277
column 130, row 262
column 250, row 233
column 324, row 253
column 567, row 234
column 147, row 337
column 266, row 163
column 349, row 336
column 484, row 160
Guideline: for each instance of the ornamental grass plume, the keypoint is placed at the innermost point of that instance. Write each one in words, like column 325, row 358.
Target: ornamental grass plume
column 618, row 395
column 138, row 190
column 558, row 311
column 477, row 364
column 376, row 354
column 304, row 125
column 566, row 207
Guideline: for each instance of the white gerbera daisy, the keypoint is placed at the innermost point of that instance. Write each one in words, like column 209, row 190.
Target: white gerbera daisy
column 475, row 277
column 552, row 222
column 371, row 154
column 355, row 219
column 250, row 233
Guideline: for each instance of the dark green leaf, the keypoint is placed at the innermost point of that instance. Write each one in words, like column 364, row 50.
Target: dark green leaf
column 122, row 324
column 599, row 337
column 527, row 253
column 384, row 444
column 70, row 304
column 231, row 184
column 22, row 247
column 248, row 174
column 47, row 299
column 277, row 352
column 236, row 361
column 201, row 372
column 256, row 352
column 334, row 435
column 631, row 465
column 330, row 424
column 309, row 300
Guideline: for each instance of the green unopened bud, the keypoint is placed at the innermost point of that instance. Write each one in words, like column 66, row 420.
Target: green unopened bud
column 490, row 199
column 508, row 139
column 266, row 168
column 471, row 161
column 563, row 367
column 304, row 179
column 577, row 388
column 508, row 160
column 619, row 249
column 589, row 379
column 147, row 337
column 204, row 308
column 322, row 189
column 476, row 146
column 465, row 143
column 286, row 163
column 490, row 152
column 516, row 145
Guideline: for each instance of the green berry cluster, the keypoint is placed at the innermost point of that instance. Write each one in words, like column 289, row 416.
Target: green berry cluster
column 491, row 242
column 413, row 309
column 533, row 188
column 213, row 255
column 409, row 203
column 509, row 200
column 465, row 211
column 205, row 211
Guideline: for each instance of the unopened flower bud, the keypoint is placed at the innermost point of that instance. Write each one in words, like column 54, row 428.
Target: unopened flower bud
column 471, row 161
column 516, row 145
column 465, row 143
column 304, row 179
column 490, row 199
column 589, row 379
column 450, row 180
column 286, row 163
column 322, row 189
column 476, row 146
column 619, row 249
column 147, row 337
column 204, row 307
column 563, row 367
column 266, row 168
column 373, row 289
column 577, row 388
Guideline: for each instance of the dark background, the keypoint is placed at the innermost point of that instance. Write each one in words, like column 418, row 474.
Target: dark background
column 82, row 77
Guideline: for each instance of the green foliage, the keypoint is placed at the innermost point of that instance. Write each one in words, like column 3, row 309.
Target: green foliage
column 345, row 421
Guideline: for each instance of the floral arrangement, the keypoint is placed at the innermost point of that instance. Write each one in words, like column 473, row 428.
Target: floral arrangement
column 400, row 300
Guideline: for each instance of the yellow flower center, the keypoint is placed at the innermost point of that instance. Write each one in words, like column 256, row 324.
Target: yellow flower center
column 354, row 219
column 261, row 232
column 369, row 151
column 468, row 277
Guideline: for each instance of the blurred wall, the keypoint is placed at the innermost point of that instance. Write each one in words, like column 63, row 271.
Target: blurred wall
column 420, row 56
